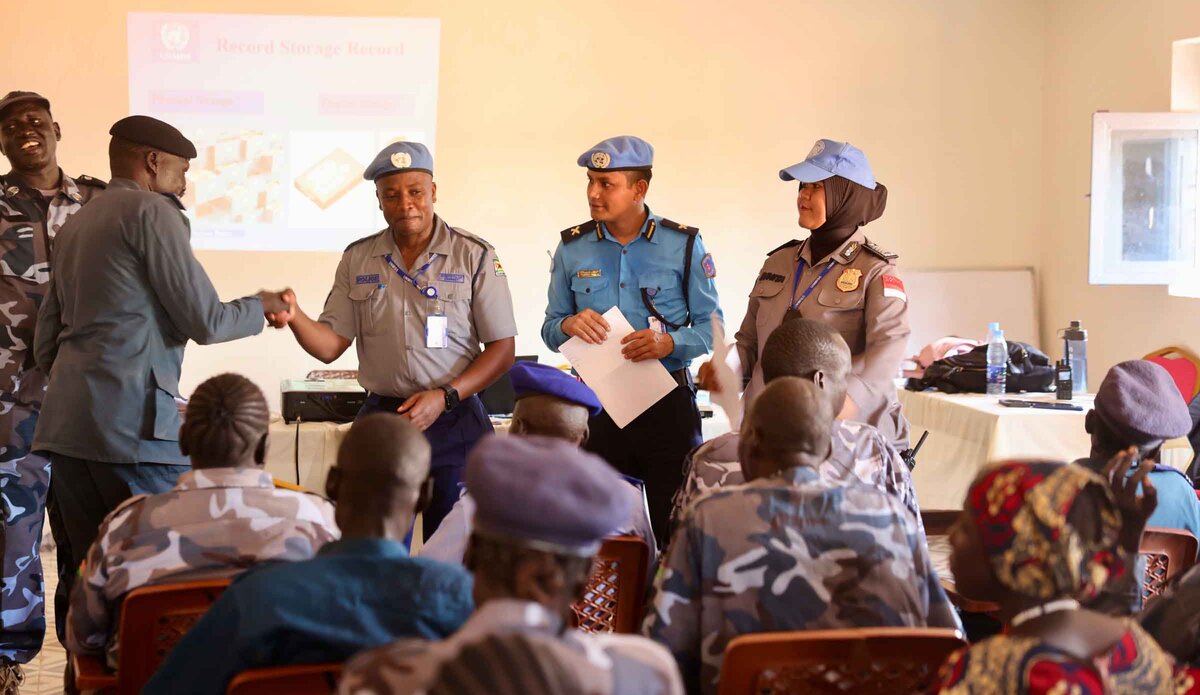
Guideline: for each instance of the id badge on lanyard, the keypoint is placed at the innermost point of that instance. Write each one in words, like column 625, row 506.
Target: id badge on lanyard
column 437, row 326
column 794, row 307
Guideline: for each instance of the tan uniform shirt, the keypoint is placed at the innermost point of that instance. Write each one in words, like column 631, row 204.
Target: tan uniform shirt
column 386, row 315
column 862, row 298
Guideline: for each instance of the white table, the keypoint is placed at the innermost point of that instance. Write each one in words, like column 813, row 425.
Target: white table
column 967, row 431
column 318, row 444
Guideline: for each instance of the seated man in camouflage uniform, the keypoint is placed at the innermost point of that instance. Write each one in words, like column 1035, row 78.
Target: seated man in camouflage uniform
column 813, row 351
column 221, row 518
column 789, row 550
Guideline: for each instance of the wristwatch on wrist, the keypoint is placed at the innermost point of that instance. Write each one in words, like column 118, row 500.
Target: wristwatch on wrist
column 452, row 398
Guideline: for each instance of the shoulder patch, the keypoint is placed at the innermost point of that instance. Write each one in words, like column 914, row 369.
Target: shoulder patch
column 670, row 224
column 91, row 181
column 875, row 249
column 356, row 242
column 790, row 244
column 579, row 231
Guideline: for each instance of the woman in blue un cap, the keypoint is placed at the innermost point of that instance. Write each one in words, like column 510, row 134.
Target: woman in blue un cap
column 837, row 276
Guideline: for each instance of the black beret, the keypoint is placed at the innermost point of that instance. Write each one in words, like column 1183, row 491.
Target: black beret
column 17, row 97
column 152, row 132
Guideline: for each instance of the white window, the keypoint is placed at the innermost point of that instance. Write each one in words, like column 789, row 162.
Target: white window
column 1145, row 169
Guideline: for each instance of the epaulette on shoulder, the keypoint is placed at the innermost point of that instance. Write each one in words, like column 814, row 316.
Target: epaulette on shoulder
column 579, row 231
column 671, row 224
column 875, row 249
column 356, row 242
column 472, row 238
column 790, row 244
column 91, row 181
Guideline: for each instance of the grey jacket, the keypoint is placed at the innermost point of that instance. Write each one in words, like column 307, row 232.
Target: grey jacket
column 125, row 297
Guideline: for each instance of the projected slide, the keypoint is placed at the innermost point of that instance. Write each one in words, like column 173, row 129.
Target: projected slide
column 286, row 112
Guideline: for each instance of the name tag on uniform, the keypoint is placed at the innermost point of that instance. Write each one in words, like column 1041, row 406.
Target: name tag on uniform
column 594, row 273
column 366, row 279
column 452, row 277
column 436, row 330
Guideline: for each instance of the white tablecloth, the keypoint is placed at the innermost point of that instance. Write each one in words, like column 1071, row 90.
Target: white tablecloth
column 966, row 431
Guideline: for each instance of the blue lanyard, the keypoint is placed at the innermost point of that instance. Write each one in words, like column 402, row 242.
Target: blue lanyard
column 428, row 290
column 796, row 283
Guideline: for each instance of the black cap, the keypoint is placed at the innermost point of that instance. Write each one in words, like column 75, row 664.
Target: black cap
column 18, row 97
column 152, row 132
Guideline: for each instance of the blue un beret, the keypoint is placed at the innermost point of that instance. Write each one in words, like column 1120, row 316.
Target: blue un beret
column 398, row 157
column 830, row 158
column 532, row 378
column 622, row 153
column 1139, row 401
column 545, row 493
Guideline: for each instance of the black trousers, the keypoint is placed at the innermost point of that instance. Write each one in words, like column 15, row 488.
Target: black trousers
column 84, row 493
column 652, row 448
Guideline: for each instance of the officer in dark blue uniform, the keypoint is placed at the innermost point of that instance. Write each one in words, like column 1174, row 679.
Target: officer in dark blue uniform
column 657, row 273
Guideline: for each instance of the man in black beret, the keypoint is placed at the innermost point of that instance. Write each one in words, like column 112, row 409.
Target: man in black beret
column 114, row 324
column 36, row 198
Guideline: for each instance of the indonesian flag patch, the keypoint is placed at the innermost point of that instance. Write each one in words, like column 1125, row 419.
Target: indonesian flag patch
column 893, row 287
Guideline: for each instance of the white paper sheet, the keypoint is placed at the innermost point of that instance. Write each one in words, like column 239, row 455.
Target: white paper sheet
column 727, row 398
column 626, row 389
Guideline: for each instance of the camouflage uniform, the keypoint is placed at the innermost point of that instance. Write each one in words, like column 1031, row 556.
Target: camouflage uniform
column 216, row 522
column 608, row 664
column 790, row 552
column 28, row 223
column 859, row 452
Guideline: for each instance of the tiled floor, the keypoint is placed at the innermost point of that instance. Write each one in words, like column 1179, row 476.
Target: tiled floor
column 44, row 675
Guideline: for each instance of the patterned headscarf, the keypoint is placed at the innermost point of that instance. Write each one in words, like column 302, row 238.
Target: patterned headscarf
column 1021, row 510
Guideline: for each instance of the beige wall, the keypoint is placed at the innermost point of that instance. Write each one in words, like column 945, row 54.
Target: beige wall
column 1115, row 56
column 945, row 96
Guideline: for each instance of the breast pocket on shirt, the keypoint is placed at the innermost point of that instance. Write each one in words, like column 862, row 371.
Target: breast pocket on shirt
column 844, row 311
column 770, row 310
column 666, row 291
column 18, row 253
column 455, row 302
column 590, row 293
column 371, row 306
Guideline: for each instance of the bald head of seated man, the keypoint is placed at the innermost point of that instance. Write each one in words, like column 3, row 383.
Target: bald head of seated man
column 789, row 550
column 815, row 352
column 359, row 592
column 549, row 403
column 222, row 517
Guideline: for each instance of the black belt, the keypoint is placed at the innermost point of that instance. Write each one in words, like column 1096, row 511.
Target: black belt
column 394, row 402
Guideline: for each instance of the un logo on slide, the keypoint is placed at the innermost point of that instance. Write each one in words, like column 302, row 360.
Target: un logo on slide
column 174, row 36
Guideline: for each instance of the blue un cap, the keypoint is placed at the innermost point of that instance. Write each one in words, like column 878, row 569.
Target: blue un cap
column 546, row 494
column 533, row 379
column 622, row 153
column 832, row 158
column 398, row 157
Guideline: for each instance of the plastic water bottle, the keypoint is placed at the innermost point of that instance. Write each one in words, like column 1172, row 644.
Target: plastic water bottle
column 997, row 356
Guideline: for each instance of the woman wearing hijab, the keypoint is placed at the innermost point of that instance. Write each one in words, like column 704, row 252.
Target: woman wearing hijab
column 1039, row 538
column 839, row 277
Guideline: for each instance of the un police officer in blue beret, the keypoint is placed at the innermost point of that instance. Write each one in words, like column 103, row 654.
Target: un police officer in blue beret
column 419, row 298
column 657, row 273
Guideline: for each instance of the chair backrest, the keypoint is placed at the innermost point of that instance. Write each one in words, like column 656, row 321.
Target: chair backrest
column 308, row 679
column 865, row 661
column 616, row 590
column 1183, row 366
column 1168, row 552
column 153, row 620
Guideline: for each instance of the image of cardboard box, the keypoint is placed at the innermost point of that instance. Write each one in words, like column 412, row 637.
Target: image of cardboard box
column 330, row 178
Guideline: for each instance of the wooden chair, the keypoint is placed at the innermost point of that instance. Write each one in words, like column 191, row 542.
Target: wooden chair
column 307, row 679
column 1168, row 552
column 1184, row 367
column 153, row 620
column 865, row 661
column 616, row 591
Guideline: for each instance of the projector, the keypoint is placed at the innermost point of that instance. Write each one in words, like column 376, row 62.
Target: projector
column 321, row 400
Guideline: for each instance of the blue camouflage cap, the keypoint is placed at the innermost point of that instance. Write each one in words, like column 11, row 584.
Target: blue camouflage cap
column 398, row 157
column 832, row 158
column 532, row 378
column 1139, row 401
column 622, row 153
column 544, row 493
